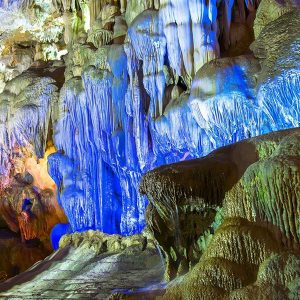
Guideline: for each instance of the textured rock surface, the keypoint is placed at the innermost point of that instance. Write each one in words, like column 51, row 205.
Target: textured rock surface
column 28, row 203
column 17, row 256
column 81, row 273
column 184, row 197
column 259, row 228
column 270, row 10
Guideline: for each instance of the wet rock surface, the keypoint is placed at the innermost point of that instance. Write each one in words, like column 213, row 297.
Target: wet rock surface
column 80, row 273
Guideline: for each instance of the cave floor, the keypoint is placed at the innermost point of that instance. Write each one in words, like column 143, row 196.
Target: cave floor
column 71, row 273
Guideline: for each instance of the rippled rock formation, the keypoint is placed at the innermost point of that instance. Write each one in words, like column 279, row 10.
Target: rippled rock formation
column 254, row 186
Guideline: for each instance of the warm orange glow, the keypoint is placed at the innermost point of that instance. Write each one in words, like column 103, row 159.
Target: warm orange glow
column 38, row 168
column 39, row 171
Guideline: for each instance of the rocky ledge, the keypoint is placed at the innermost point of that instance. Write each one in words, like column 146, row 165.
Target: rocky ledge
column 90, row 265
column 230, row 221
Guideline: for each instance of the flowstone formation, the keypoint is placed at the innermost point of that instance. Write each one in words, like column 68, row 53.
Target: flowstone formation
column 28, row 205
column 138, row 103
column 96, row 93
column 231, row 218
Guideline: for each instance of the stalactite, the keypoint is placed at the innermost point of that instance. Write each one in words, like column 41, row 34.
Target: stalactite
column 149, row 45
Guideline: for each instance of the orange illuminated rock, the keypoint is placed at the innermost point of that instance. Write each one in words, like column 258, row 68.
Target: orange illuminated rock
column 29, row 204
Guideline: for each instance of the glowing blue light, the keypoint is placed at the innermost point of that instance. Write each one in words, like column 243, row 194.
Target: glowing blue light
column 109, row 134
column 57, row 232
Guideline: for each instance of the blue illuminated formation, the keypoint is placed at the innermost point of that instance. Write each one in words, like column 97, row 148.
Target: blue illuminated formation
column 8, row 4
column 27, row 204
column 124, row 116
column 109, row 141
column 57, row 232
